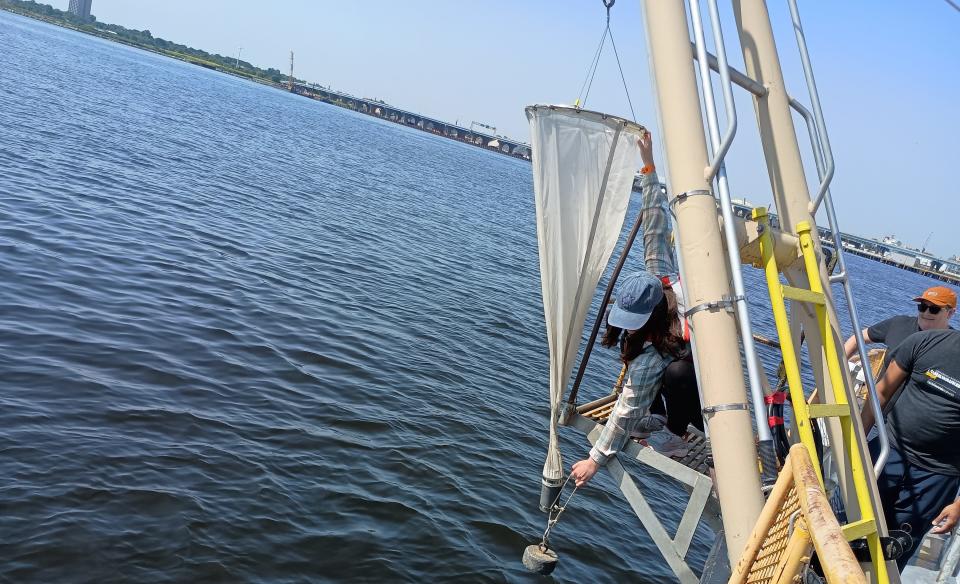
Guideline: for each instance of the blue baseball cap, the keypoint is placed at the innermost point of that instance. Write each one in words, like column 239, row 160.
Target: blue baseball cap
column 637, row 296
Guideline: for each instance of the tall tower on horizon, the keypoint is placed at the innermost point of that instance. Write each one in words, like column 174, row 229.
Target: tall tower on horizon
column 80, row 7
column 289, row 79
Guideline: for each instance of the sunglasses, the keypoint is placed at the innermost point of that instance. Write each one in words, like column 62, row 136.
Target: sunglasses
column 929, row 308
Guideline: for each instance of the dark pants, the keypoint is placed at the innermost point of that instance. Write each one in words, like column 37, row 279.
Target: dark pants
column 911, row 496
column 679, row 391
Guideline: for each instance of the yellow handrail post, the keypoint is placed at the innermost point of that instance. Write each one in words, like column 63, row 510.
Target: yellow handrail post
column 840, row 397
column 790, row 364
column 803, row 412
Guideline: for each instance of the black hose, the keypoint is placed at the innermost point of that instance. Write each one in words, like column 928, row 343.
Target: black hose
column 572, row 399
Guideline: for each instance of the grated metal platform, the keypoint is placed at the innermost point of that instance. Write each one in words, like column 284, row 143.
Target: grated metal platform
column 698, row 458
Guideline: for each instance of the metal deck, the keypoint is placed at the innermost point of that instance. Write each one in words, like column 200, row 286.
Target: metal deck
column 699, row 457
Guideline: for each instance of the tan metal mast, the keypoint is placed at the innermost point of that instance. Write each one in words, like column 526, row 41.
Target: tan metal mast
column 707, row 279
column 792, row 199
column 777, row 133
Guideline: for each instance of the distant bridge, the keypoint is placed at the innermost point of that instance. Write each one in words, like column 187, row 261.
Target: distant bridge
column 387, row 112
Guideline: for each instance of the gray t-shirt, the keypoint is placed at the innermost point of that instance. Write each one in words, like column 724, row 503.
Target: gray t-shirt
column 924, row 424
column 893, row 331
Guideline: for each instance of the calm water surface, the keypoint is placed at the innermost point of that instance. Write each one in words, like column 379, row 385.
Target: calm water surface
column 249, row 337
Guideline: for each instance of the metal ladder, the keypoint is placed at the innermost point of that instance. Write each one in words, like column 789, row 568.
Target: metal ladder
column 866, row 526
column 823, row 158
column 824, row 162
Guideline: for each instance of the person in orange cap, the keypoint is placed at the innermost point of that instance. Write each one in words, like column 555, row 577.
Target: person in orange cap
column 935, row 308
column 920, row 395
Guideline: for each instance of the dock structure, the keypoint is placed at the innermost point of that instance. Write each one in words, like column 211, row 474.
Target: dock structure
column 943, row 276
column 379, row 109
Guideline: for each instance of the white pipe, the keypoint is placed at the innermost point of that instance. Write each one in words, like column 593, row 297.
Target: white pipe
column 733, row 252
column 817, row 110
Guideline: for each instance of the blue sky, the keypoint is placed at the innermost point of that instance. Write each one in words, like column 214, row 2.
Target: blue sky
column 886, row 70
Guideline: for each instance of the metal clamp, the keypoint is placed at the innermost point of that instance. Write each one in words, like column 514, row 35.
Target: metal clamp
column 684, row 196
column 709, row 410
column 726, row 302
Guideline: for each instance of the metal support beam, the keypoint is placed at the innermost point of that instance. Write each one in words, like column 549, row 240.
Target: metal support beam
column 649, row 457
column 786, row 245
column 737, row 77
column 673, row 550
column 706, row 277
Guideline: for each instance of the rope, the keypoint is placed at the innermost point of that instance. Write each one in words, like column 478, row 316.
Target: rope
column 552, row 520
column 622, row 77
column 592, row 70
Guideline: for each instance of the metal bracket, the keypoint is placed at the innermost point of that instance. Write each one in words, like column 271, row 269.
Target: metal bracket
column 893, row 546
column 726, row 302
column 682, row 197
column 709, row 410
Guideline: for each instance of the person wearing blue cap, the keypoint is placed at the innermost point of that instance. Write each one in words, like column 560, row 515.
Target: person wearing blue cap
column 642, row 323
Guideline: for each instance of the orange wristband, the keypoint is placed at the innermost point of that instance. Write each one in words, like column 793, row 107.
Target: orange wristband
column 647, row 169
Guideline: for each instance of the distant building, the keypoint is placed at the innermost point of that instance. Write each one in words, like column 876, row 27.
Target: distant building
column 80, row 8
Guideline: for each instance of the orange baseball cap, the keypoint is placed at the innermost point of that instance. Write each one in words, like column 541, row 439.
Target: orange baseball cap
column 940, row 296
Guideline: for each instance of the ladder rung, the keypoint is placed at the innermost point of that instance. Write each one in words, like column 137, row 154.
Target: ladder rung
column 828, row 410
column 858, row 529
column 803, row 295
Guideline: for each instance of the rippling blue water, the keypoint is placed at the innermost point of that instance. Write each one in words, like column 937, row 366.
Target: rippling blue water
column 249, row 337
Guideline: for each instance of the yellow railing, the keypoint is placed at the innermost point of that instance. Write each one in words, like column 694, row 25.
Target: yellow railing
column 796, row 519
column 804, row 413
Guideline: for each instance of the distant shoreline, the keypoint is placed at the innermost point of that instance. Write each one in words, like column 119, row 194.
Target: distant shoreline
column 942, row 276
column 480, row 140
column 92, row 31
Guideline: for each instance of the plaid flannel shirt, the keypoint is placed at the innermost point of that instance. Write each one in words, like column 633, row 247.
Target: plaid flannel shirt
column 655, row 225
column 645, row 372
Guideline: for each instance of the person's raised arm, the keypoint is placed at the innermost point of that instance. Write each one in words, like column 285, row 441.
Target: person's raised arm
column 645, row 142
column 655, row 223
column 892, row 379
column 850, row 347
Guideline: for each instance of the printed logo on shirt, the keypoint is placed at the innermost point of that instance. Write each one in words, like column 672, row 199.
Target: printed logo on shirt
column 942, row 384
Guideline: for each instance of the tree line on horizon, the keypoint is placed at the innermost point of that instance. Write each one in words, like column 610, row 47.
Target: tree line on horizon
column 139, row 38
